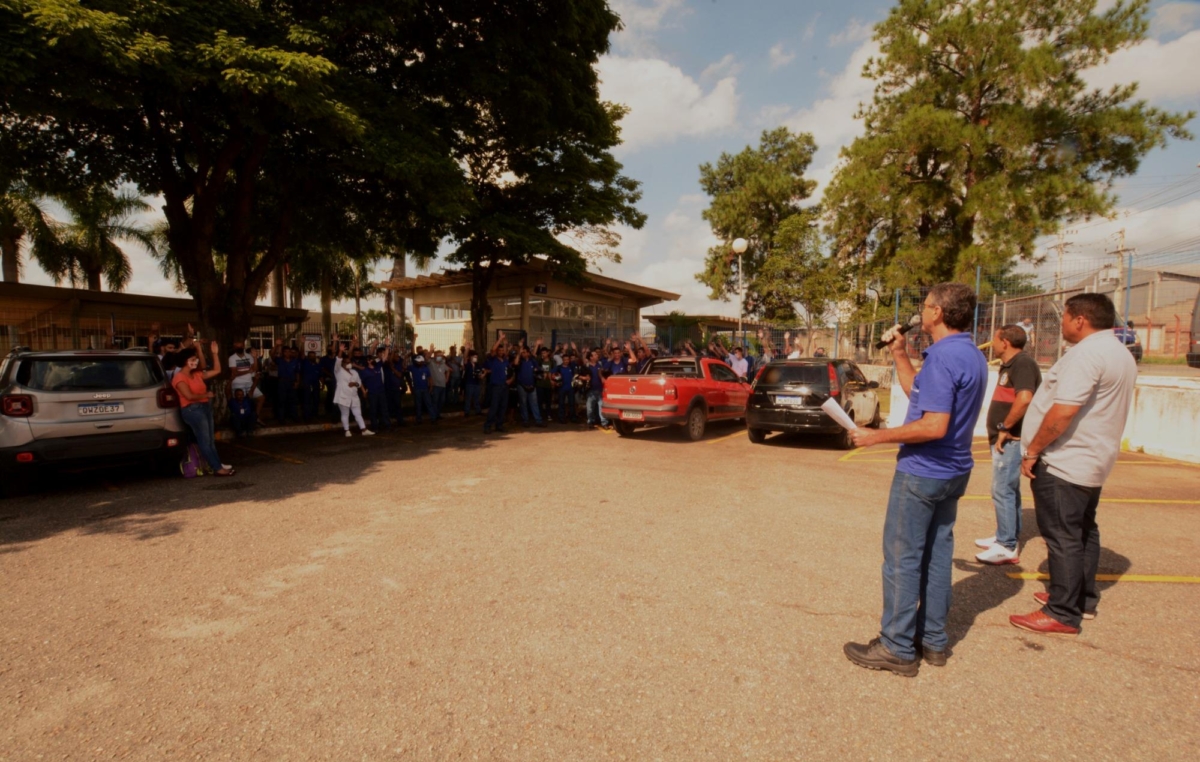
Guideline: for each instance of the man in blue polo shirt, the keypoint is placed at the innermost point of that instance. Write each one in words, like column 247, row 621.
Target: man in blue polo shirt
column 289, row 384
column 495, row 367
column 418, row 375
column 310, row 386
column 932, row 470
column 527, row 377
column 595, row 394
column 375, row 386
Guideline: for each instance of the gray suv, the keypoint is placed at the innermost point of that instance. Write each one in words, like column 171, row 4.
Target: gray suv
column 85, row 407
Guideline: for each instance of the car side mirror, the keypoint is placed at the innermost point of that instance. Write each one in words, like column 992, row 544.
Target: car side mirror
column 872, row 384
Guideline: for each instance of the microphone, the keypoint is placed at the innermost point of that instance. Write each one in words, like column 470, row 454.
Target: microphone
column 913, row 322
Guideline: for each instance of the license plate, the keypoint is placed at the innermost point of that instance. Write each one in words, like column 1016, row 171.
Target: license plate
column 102, row 408
column 791, row 401
column 632, row 415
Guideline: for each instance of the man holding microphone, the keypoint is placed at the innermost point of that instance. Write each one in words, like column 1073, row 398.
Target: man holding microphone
column 932, row 470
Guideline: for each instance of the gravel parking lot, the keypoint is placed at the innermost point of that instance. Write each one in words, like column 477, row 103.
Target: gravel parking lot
column 561, row 594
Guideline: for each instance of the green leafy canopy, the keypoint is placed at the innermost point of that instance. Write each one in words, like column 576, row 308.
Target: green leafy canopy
column 983, row 135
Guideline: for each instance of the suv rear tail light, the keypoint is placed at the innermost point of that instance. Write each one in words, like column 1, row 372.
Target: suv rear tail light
column 24, row 457
column 168, row 398
column 17, row 405
column 834, row 387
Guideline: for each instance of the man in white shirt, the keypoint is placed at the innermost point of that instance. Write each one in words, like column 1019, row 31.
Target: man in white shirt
column 1070, row 439
column 738, row 362
column 243, row 369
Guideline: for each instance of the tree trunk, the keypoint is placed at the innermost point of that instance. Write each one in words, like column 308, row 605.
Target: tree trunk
column 225, row 319
column 399, row 270
column 327, row 302
column 93, row 280
column 277, row 288
column 481, row 281
column 10, row 254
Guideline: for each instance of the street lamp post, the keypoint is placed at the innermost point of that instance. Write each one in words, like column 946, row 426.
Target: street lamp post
column 739, row 248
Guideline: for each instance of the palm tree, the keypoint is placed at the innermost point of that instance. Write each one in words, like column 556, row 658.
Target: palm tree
column 87, row 248
column 22, row 217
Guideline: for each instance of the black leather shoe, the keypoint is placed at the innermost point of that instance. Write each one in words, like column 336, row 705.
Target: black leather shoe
column 875, row 655
column 933, row 658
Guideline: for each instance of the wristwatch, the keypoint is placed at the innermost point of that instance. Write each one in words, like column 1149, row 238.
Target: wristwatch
column 1001, row 427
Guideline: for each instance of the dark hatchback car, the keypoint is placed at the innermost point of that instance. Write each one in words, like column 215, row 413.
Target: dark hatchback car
column 787, row 396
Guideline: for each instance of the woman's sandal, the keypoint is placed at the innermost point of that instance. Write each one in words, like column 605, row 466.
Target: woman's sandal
column 230, row 472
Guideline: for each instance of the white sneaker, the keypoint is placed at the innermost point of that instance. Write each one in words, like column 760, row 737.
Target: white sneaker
column 348, row 433
column 998, row 554
column 986, row 542
column 368, row 433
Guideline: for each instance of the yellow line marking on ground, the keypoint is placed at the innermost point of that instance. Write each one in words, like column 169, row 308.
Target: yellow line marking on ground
column 1128, row 500
column 727, row 436
column 284, row 458
column 1116, row 578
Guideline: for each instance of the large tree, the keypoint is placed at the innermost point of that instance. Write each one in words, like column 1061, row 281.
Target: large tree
column 983, row 135
column 754, row 194
column 246, row 118
column 797, row 282
column 535, row 141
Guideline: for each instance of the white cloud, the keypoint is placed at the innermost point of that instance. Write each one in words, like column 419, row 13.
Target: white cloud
column 854, row 32
column 1163, row 70
column 641, row 20
column 664, row 102
column 726, row 67
column 810, row 29
column 1149, row 233
column 831, row 119
column 681, row 241
column 1174, row 18
column 780, row 57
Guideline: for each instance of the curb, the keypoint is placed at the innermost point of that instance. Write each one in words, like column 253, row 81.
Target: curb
column 227, row 435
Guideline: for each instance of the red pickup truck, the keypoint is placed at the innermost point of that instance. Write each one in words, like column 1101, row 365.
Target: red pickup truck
column 676, row 390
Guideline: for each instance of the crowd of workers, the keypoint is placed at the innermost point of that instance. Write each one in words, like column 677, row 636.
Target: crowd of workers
column 539, row 383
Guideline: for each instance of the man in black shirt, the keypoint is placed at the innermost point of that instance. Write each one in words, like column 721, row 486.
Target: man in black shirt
column 1019, row 379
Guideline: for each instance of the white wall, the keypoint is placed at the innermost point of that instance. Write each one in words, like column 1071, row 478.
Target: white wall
column 1164, row 418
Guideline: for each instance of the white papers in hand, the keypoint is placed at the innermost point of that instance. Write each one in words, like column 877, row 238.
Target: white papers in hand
column 835, row 412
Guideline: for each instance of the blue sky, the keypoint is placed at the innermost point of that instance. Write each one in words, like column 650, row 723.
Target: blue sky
column 706, row 76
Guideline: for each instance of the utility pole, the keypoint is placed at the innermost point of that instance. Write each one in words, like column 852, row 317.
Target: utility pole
column 1120, row 254
column 1061, row 247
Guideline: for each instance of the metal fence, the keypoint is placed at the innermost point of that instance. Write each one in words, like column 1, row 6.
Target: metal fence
column 1157, row 294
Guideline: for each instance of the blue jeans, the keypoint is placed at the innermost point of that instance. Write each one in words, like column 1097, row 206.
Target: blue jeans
column 497, row 408
column 474, row 397
column 918, row 556
column 438, row 394
column 1006, row 493
column 199, row 418
column 423, row 401
column 527, row 402
column 594, row 413
column 566, row 404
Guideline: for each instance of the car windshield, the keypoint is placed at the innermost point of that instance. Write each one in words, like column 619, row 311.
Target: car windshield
column 85, row 373
column 779, row 375
column 677, row 368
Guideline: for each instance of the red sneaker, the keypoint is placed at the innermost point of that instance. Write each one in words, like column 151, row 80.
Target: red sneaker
column 1041, row 623
column 1044, row 598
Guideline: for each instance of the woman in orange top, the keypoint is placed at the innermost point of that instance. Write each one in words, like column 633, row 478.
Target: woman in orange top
column 195, row 404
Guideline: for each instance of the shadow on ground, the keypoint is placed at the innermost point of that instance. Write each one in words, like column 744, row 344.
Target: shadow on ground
column 989, row 587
